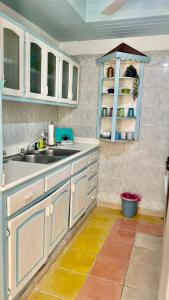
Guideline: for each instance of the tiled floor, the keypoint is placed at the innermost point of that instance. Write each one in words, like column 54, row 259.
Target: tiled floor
column 110, row 258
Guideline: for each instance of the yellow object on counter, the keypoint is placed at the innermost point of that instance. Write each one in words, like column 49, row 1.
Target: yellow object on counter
column 41, row 144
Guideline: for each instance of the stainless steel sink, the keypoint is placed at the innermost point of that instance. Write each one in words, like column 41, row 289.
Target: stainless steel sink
column 47, row 156
column 37, row 158
column 58, row 152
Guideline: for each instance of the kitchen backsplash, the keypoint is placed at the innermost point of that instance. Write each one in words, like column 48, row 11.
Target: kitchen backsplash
column 23, row 122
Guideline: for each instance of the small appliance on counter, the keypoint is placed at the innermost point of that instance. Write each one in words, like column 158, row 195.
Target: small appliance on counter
column 64, row 135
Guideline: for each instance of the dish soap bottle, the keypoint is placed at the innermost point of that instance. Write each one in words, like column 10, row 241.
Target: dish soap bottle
column 41, row 143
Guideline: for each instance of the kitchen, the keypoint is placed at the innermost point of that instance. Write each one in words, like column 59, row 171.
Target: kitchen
column 59, row 214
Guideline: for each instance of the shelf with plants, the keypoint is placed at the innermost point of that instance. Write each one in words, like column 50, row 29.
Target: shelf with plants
column 120, row 88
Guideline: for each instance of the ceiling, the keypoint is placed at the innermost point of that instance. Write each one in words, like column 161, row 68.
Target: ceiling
column 77, row 20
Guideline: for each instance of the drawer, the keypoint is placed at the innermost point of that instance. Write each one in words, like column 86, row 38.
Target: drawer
column 92, row 170
column 57, row 177
column 25, row 196
column 80, row 164
column 92, row 183
column 93, row 157
column 91, row 197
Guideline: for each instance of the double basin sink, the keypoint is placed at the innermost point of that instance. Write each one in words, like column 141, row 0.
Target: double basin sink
column 47, row 156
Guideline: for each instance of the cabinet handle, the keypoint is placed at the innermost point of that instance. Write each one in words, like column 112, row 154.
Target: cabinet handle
column 46, row 92
column 73, row 188
column 29, row 197
column 47, row 211
column 51, row 209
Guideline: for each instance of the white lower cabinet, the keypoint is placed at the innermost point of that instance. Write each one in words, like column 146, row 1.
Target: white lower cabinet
column 27, row 245
column 78, row 197
column 34, row 234
column 59, row 210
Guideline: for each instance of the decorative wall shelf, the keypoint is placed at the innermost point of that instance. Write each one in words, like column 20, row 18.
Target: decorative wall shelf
column 120, row 58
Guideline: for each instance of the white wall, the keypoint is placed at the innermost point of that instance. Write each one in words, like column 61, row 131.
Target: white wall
column 144, row 43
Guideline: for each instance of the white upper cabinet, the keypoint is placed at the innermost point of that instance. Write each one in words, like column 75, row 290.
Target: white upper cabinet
column 35, row 68
column 51, row 74
column 68, row 80
column 12, row 65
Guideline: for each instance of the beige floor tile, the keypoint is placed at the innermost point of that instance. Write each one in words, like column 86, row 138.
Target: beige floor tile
column 134, row 294
column 143, row 277
column 146, row 256
column 148, row 242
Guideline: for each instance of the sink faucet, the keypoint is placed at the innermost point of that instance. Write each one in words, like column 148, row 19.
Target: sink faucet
column 43, row 135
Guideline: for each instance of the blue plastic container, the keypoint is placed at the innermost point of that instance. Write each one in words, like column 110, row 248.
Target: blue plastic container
column 129, row 204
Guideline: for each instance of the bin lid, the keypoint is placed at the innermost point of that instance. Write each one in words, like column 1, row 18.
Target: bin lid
column 130, row 197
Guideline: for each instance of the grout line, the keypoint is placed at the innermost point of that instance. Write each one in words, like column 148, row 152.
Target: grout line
column 50, row 294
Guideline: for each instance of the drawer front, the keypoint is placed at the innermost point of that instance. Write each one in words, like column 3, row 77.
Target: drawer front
column 93, row 157
column 92, row 183
column 25, row 196
column 91, row 197
column 92, row 170
column 79, row 164
column 57, row 177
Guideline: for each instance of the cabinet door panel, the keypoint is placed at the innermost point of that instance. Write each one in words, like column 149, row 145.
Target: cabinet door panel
column 75, row 82
column 78, row 197
column 59, row 216
column 11, row 59
column 51, row 74
column 35, row 67
column 27, row 245
column 65, row 79
column 52, row 70
column 12, row 39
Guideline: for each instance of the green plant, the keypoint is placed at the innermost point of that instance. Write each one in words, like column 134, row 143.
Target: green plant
column 136, row 83
column 131, row 72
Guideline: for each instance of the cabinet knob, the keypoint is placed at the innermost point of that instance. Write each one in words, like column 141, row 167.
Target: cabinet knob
column 29, row 197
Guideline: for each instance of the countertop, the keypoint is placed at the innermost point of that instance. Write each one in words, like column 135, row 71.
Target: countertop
column 17, row 172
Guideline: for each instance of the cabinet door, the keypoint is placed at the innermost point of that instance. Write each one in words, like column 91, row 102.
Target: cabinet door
column 35, row 68
column 65, row 79
column 27, row 246
column 52, row 65
column 75, row 82
column 78, row 197
column 59, row 215
column 12, row 41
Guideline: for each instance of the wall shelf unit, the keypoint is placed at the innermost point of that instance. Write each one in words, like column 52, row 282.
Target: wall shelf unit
column 126, row 97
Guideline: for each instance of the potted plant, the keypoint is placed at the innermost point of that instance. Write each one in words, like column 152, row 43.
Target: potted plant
column 131, row 72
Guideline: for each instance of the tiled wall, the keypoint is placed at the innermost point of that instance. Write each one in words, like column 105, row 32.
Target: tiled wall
column 138, row 166
column 24, row 122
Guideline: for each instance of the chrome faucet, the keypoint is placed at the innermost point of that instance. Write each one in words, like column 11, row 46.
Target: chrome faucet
column 43, row 135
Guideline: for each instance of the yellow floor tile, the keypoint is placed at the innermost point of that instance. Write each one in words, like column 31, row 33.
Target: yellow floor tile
column 75, row 260
column 42, row 296
column 149, row 219
column 86, row 243
column 100, row 220
column 107, row 211
column 63, row 283
column 97, row 232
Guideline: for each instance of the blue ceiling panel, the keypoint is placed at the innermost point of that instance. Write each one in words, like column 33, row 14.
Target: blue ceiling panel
column 76, row 20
